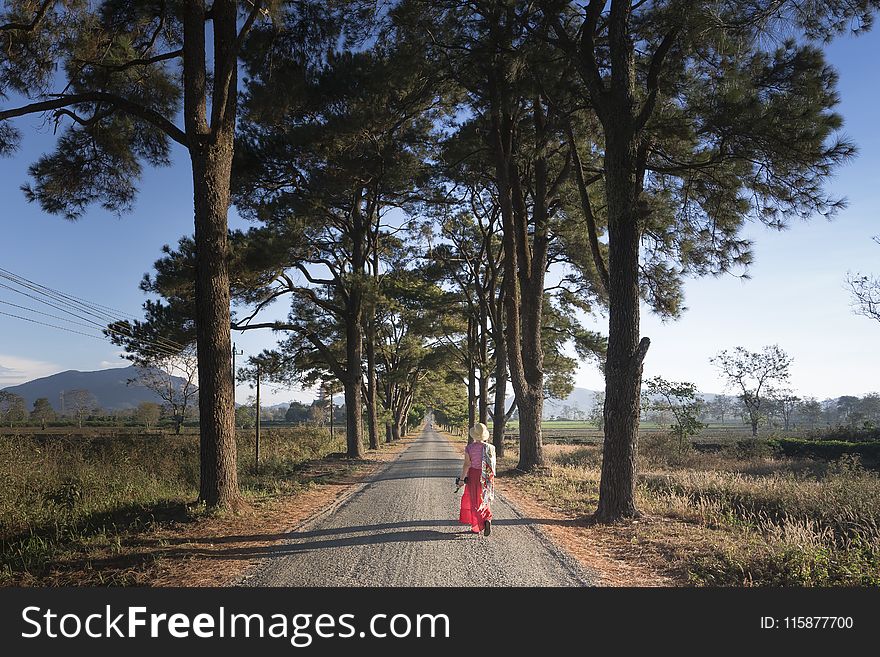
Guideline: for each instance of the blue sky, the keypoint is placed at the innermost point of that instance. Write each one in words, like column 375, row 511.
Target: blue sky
column 795, row 298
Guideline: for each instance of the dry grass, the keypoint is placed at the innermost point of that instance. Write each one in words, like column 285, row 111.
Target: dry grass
column 118, row 511
column 739, row 517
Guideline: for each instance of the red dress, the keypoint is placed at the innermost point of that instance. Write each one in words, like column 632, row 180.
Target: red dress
column 473, row 511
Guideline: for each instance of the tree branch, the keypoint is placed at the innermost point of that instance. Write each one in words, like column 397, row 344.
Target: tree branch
column 29, row 27
column 143, row 61
column 136, row 109
column 585, row 52
column 587, row 208
column 653, row 82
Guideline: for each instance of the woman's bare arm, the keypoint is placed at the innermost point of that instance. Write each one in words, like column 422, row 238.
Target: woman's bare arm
column 466, row 466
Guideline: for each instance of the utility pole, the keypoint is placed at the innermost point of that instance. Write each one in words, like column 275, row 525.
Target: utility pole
column 331, row 413
column 257, row 425
column 240, row 353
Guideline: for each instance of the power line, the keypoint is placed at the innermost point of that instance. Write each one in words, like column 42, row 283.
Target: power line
column 117, row 313
column 167, row 349
column 76, row 306
column 96, row 310
column 40, row 312
column 148, row 348
column 55, row 326
column 82, row 310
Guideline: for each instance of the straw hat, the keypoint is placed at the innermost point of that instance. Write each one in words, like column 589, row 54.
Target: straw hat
column 479, row 432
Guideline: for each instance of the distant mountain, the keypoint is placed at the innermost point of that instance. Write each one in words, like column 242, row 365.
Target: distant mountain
column 583, row 399
column 110, row 388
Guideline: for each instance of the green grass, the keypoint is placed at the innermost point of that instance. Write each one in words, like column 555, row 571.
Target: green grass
column 59, row 495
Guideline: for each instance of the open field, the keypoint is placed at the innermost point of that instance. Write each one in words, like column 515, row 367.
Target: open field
column 577, row 432
column 730, row 518
column 66, row 498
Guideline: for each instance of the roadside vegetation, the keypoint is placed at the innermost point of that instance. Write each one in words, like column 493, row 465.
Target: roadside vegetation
column 65, row 497
column 744, row 515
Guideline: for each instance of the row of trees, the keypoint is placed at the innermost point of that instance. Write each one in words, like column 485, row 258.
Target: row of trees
column 760, row 379
column 628, row 142
column 78, row 405
column 13, row 410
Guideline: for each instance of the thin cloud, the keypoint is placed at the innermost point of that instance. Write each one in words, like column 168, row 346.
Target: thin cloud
column 15, row 370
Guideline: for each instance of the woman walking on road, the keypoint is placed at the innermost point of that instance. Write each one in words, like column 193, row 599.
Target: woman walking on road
column 478, row 476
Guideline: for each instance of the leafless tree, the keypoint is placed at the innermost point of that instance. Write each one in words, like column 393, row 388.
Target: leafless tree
column 173, row 378
column 865, row 289
column 753, row 374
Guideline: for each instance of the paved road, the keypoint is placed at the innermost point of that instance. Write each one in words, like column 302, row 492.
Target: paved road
column 401, row 529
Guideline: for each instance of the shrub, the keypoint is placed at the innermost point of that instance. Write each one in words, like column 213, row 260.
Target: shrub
column 751, row 448
column 846, row 434
column 827, row 449
column 664, row 449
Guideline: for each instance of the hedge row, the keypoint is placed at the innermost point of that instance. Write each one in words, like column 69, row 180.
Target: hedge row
column 826, row 449
column 846, row 434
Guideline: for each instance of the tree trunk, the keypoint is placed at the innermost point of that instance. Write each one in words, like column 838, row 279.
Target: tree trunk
column 524, row 354
column 498, row 417
column 388, row 405
column 407, row 407
column 531, row 452
column 484, row 367
column 372, row 392
column 530, row 391
column 218, row 485
column 472, row 375
column 623, row 368
column 354, row 423
column 211, row 149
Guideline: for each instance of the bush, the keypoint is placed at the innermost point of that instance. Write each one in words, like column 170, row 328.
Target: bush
column 829, row 450
column 847, row 434
column 751, row 448
column 662, row 449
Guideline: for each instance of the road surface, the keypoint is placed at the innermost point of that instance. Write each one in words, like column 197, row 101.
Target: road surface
column 401, row 529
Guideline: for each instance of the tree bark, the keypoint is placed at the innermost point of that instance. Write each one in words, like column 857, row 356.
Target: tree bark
column 623, row 368
column 372, row 392
column 211, row 169
column 211, row 150
column 484, row 366
column 522, row 277
column 472, row 374
column 388, row 405
column 354, row 423
column 499, row 420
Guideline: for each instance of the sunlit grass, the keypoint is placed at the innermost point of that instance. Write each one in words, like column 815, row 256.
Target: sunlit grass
column 740, row 518
column 62, row 495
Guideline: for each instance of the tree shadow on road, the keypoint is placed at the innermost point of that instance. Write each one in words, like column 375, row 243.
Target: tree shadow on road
column 414, row 531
